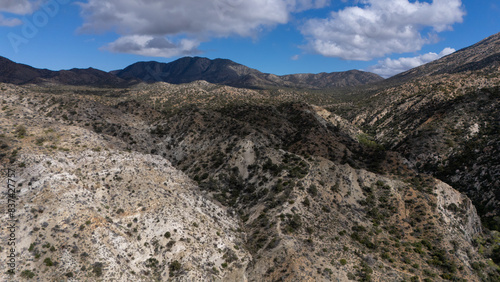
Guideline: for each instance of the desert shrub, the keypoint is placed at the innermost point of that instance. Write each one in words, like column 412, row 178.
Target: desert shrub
column 27, row 274
column 97, row 268
column 152, row 263
column 48, row 262
column 306, row 202
column 174, row 266
column 21, row 131
column 313, row 190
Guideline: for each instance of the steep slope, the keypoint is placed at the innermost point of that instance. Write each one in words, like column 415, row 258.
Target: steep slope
column 443, row 117
column 88, row 210
column 482, row 55
column 300, row 194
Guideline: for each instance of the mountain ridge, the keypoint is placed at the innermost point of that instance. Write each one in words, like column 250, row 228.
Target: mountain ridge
column 183, row 70
column 485, row 53
column 15, row 73
column 227, row 72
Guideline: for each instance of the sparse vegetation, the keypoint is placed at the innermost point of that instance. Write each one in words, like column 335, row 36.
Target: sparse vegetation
column 265, row 175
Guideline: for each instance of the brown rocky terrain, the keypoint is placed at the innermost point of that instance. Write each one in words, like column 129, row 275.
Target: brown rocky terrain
column 207, row 182
column 444, row 119
column 111, row 188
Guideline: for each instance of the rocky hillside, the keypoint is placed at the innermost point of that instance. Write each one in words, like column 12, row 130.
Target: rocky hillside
column 116, row 185
column 444, row 119
column 90, row 210
column 483, row 55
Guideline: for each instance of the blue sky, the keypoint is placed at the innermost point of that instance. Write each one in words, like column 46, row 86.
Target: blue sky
column 276, row 36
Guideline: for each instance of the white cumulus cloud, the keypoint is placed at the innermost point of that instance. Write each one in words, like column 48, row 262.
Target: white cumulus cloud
column 380, row 27
column 17, row 7
column 9, row 22
column 138, row 21
column 389, row 67
column 151, row 46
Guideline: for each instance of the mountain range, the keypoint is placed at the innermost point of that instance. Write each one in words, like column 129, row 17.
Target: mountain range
column 184, row 70
column 228, row 174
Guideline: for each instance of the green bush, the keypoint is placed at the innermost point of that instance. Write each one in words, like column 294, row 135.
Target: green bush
column 21, row 131
column 48, row 262
column 32, row 246
column 27, row 274
column 174, row 266
column 152, row 263
column 306, row 202
column 313, row 190
column 97, row 268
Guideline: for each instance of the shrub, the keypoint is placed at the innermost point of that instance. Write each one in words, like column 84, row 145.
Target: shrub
column 343, row 261
column 313, row 190
column 21, row 131
column 170, row 243
column 48, row 262
column 386, row 255
column 174, row 266
column 294, row 223
column 97, row 268
column 152, row 263
column 306, row 202
column 27, row 274
column 32, row 246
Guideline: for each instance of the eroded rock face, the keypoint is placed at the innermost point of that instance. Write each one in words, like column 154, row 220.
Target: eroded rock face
column 88, row 210
column 133, row 213
column 457, row 210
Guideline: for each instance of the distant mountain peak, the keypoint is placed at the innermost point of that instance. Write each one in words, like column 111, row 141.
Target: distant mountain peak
column 225, row 71
column 11, row 72
column 183, row 70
